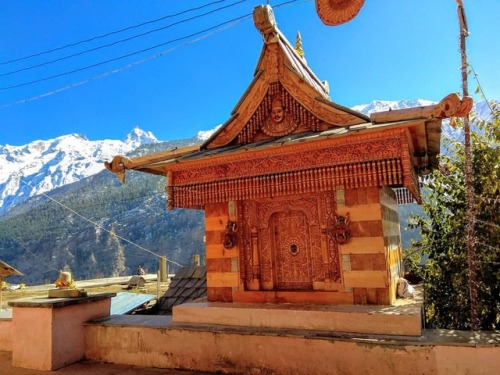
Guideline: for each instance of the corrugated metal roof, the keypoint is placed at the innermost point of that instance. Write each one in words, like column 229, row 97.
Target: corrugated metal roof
column 124, row 302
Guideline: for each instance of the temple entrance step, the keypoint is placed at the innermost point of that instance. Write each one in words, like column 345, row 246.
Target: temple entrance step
column 364, row 319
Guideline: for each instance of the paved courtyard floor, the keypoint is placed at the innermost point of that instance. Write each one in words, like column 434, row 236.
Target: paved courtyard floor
column 89, row 368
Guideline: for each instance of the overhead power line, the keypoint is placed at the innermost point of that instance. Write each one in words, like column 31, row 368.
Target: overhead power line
column 160, row 54
column 40, row 259
column 99, row 226
column 119, row 41
column 124, row 56
column 110, row 33
column 128, row 66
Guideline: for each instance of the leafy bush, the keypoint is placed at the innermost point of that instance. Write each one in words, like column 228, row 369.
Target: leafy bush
column 446, row 274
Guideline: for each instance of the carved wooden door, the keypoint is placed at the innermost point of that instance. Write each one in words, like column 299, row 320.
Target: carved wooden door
column 292, row 250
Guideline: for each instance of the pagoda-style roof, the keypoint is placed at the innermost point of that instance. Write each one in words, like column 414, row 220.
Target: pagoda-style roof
column 282, row 80
column 423, row 124
column 286, row 110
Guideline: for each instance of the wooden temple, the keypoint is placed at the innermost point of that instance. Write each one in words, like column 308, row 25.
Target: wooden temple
column 298, row 191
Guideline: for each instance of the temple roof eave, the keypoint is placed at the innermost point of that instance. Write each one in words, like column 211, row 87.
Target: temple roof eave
column 339, row 107
column 221, row 129
column 159, row 163
column 424, row 124
column 450, row 106
column 288, row 143
column 150, row 163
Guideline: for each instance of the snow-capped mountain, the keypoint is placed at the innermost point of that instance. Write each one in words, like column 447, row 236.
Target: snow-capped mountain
column 386, row 105
column 481, row 110
column 138, row 137
column 203, row 135
column 43, row 165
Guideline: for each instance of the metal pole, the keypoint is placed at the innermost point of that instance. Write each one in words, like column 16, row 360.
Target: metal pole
column 163, row 269
column 158, row 284
column 469, row 175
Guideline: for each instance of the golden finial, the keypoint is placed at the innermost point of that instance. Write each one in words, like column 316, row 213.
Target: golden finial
column 298, row 45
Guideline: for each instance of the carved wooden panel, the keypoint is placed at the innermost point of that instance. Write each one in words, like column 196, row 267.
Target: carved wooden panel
column 350, row 176
column 271, row 161
column 333, row 271
column 246, row 212
column 292, row 250
column 277, row 115
column 281, row 243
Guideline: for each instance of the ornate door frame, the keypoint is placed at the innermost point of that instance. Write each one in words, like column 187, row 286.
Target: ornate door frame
column 257, row 256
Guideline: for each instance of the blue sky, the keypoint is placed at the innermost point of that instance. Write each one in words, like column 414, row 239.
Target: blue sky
column 392, row 50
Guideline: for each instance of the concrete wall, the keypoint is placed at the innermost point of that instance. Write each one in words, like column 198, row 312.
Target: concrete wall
column 46, row 338
column 5, row 334
column 245, row 352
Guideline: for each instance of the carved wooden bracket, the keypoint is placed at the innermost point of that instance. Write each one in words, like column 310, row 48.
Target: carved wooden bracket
column 229, row 237
column 340, row 230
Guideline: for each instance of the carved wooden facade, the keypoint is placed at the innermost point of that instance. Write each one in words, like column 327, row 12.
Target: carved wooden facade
column 297, row 189
column 278, row 171
column 366, row 160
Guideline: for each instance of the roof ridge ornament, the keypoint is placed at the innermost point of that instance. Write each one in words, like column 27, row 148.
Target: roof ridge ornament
column 263, row 18
column 298, row 46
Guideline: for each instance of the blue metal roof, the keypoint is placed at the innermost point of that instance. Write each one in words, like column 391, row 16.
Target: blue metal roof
column 125, row 302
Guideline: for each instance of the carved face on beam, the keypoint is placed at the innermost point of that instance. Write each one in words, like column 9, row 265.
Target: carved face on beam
column 277, row 111
column 279, row 122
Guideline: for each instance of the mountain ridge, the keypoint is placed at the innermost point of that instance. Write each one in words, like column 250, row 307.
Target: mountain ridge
column 44, row 165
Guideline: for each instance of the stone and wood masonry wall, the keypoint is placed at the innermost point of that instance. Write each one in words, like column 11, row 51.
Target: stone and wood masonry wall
column 370, row 261
column 222, row 264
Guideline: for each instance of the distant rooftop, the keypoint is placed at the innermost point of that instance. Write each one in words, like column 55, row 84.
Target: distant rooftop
column 188, row 285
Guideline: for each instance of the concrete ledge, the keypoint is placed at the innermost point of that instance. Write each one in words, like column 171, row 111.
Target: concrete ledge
column 381, row 320
column 154, row 341
column 51, row 303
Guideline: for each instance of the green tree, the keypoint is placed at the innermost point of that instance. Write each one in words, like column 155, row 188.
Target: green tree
column 446, row 274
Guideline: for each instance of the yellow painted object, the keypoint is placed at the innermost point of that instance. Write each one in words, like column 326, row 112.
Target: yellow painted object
column 65, row 281
column 66, row 287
